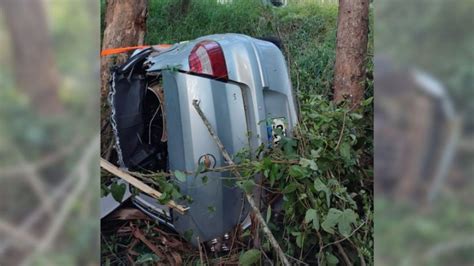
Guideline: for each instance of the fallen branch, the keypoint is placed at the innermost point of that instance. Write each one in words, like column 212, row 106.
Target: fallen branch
column 139, row 235
column 343, row 254
column 250, row 200
column 140, row 185
column 200, row 251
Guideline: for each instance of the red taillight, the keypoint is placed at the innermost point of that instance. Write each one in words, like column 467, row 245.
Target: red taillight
column 207, row 58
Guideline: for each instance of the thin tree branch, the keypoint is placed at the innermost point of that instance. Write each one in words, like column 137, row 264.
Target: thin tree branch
column 343, row 254
column 201, row 258
column 342, row 131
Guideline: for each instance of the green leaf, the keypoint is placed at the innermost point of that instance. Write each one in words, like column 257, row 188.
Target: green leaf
column 250, row 257
column 300, row 241
column 267, row 163
column 204, row 179
column 175, row 194
column 211, row 209
column 355, row 116
column 180, row 176
column 347, row 218
column 312, row 216
column 290, row 188
column 246, row 233
column 246, row 185
column 331, row 259
column 315, row 153
column 321, row 187
column 188, row 199
column 299, row 238
column 345, row 151
column 297, row 171
column 289, row 145
column 118, row 190
column 165, row 198
column 104, row 191
column 201, row 167
column 275, row 174
column 134, row 191
column 311, row 164
column 188, row 235
column 343, row 220
column 266, row 172
column 353, row 138
column 367, row 101
column 331, row 220
column 147, row 258
column 269, row 214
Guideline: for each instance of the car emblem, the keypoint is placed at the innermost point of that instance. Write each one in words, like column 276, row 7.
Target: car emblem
column 208, row 160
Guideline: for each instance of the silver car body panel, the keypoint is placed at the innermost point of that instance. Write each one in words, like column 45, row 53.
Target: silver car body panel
column 258, row 66
column 258, row 90
column 216, row 205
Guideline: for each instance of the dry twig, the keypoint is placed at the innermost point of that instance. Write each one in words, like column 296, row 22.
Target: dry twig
column 343, row 254
column 200, row 251
column 140, row 185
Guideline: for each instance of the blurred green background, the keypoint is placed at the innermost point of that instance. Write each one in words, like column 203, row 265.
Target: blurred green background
column 436, row 37
column 49, row 161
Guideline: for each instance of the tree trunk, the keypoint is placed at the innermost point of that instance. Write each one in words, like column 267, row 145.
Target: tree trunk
column 351, row 50
column 34, row 63
column 125, row 25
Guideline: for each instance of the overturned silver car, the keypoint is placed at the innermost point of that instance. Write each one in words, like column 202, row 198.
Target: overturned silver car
column 243, row 88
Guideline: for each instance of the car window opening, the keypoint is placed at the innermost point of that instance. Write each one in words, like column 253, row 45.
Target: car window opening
column 138, row 120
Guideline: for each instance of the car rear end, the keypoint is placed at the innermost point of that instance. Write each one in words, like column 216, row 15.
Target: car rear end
column 243, row 88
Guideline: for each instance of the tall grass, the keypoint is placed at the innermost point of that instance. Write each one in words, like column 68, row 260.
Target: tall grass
column 306, row 28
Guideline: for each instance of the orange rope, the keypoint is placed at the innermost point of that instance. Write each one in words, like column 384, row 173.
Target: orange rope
column 126, row 49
